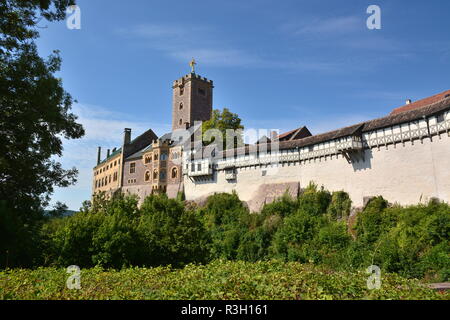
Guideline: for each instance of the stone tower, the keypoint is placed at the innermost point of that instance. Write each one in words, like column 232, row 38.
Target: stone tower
column 192, row 100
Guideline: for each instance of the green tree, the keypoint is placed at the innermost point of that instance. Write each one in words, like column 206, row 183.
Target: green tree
column 34, row 108
column 222, row 121
column 34, row 116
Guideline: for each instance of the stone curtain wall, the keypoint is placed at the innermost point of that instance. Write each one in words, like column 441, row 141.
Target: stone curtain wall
column 406, row 173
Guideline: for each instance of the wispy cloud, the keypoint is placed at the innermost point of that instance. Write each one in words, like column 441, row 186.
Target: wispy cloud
column 202, row 43
column 334, row 25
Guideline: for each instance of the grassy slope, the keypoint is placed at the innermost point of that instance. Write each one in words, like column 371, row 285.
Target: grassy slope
column 218, row 280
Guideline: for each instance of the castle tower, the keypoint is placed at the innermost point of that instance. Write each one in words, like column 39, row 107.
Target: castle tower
column 192, row 100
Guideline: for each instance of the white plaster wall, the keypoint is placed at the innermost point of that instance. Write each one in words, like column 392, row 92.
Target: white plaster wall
column 406, row 174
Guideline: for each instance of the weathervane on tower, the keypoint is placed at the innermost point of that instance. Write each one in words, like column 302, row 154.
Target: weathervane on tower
column 192, row 65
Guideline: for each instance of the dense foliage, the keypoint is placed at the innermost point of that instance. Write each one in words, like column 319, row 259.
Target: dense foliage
column 35, row 114
column 221, row 280
column 313, row 228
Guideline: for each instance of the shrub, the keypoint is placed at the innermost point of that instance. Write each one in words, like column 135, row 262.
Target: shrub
column 373, row 221
column 294, row 233
column 284, row 206
column 225, row 218
column 170, row 234
column 314, row 202
column 340, row 205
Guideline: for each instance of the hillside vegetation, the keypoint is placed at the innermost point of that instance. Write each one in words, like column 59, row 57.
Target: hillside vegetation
column 219, row 280
column 313, row 228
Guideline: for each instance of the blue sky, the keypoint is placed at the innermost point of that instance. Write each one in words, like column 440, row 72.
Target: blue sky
column 278, row 64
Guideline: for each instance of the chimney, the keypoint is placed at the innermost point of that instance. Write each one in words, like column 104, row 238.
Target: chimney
column 108, row 153
column 408, row 101
column 99, row 155
column 127, row 136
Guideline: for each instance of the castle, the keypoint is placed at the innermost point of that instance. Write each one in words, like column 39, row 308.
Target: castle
column 404, row 156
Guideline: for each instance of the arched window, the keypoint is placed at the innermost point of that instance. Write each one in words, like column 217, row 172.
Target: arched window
column 181, row 105
column 147, row 158
column 163, row 156
column 181, row 122
column 174, row 173
column 155, row 174
column 147, row 176
column 162, row 175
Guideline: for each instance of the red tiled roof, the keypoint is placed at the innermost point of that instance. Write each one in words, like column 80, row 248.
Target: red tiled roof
column 422, row 103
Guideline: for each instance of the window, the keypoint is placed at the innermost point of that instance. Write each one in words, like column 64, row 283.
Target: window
column 147, row 176
column 181, row 105
column 155, row 156
column 199, row 167
column 109, row 178
column 181, row 91
column 201, row 92
column 174, row 174
column 162, row 175
column 133, row 167
column 155, row 174
column 163, row 156
column 440, row 118
column 115, row 163
column 181, row 122
column 193, row 167
column 147, row 158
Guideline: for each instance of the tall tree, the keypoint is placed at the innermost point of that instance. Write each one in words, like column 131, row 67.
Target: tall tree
column 34, row 108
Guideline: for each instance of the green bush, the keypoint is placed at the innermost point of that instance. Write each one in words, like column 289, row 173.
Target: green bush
column 170, row 234
column 340, row 205
column 374, row 221
column 225, row 217
column 313, row 201
column 284, row 206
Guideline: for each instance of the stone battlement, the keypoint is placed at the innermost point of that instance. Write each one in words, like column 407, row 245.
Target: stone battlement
column 189, row 77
